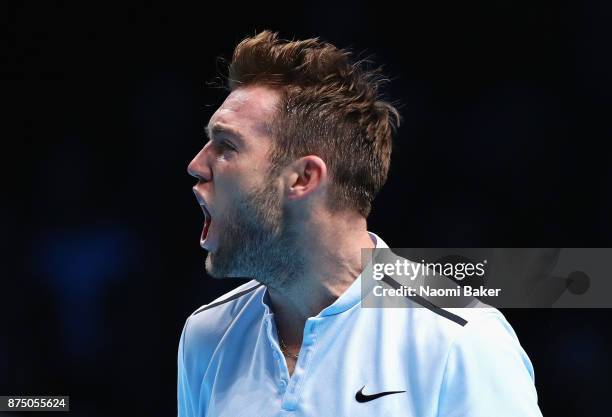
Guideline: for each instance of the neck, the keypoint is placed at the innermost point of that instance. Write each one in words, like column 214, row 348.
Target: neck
column 333, row 249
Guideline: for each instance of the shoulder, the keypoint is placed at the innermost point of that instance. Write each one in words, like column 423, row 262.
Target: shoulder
column 487, row 371
column 232, row 298
column 483, row 324
column 471, row 362
column 206, row 326
column 488, row 336
column 460, row 325
column 479, row 329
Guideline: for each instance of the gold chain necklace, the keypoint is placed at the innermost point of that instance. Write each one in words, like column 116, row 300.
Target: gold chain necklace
column 284, row 349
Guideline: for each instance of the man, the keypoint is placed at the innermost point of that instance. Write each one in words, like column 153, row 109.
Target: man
column 295, row 156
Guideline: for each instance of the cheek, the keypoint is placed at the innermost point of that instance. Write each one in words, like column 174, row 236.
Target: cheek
column 228, row 191
column 241, row 178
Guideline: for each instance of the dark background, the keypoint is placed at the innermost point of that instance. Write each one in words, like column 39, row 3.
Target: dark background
column 506, row 108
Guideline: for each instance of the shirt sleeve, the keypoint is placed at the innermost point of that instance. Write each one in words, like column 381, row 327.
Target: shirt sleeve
column 488, row 373
column 184, row 395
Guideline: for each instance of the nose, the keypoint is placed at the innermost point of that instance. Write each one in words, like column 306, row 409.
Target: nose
column 199, row 167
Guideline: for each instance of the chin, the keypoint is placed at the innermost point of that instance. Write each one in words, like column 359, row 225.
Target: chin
column 209, row 266
column 215, row 272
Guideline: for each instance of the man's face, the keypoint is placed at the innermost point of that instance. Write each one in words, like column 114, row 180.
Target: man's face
column 244, row 229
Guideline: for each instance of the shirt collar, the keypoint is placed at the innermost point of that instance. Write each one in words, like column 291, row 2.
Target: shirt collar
column 352, row 295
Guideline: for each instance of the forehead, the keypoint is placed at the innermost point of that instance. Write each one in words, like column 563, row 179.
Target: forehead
column 248, row 110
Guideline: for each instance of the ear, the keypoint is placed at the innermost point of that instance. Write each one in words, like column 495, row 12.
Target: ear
column 306, row 175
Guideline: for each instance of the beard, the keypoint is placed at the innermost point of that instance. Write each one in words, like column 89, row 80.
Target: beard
column 257, row 241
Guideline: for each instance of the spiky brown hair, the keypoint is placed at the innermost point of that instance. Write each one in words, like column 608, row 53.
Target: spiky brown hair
column 330, row 107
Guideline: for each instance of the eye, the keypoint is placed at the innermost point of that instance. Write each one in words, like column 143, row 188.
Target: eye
column 225, row 145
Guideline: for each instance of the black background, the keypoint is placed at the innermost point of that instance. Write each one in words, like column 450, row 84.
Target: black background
column 504, row 143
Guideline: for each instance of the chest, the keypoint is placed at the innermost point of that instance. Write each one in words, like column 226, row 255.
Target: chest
column 341, row 370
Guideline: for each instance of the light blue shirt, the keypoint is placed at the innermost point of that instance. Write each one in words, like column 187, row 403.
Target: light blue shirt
column 230, row 363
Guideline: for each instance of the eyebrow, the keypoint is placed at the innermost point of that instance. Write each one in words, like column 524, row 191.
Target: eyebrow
column 217, row 130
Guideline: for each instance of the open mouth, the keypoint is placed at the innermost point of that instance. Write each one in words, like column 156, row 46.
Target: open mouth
column 207, row 221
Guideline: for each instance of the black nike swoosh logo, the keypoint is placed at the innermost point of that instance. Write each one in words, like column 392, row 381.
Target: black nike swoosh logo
column 364, row 398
